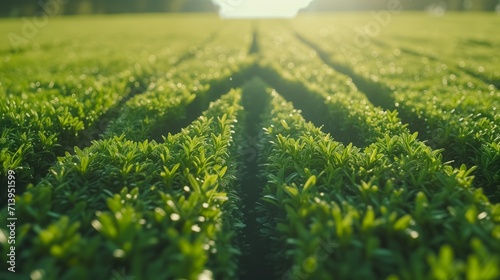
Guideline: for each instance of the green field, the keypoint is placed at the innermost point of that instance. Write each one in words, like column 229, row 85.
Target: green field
column 333, row 146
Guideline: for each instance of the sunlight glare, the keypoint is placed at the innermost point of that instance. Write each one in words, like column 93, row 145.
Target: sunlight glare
column 260, row 8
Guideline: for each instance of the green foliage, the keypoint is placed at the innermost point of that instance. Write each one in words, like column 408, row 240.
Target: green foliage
column 389, row 209
column 141, row 205
column 395, row 190
column 451, row 107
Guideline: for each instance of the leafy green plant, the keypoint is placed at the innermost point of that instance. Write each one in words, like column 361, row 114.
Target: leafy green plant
column 140, row 204
column 374, row 206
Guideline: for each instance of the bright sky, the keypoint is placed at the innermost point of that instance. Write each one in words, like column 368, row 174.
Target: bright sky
column 260, row 8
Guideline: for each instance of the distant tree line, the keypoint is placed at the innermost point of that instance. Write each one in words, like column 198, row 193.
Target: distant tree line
column 72, row 7
column 13, row 8
column 454, row 5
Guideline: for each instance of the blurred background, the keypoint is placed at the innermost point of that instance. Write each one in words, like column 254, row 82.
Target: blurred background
column 19, row 8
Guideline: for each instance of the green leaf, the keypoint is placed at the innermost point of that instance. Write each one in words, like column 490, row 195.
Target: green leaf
column 285, row 125
column 471, row 214
column 292, row 191
column 403, row 222
column 194, row 184
column 369, row 219
column 271, row 199
column 223, row 171
column 210, row 181
column 310, row 182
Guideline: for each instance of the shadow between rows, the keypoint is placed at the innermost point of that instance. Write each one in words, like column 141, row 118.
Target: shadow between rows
column 138, row 87
column 468, row 71
column 483, row 78
column 312, row 105
column 201, row 102
column 255, row 262
column 381, row 96
column 377, row 94
column 455, row 151
column 191, row 53
column 254, row 46
column 67, row 140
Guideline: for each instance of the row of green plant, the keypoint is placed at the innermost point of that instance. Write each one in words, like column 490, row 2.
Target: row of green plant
column 474, row 57
column 471, row 53
column 348, row 113
column 37, row 127
column 438, row 83
column 139, row 209
column 450, row 109
column 44, row 115
column 101, row 48
column 391, row 210
column 168, row 95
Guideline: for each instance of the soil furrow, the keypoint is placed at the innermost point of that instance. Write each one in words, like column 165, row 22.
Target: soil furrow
column 378, row 94
column 256, row 249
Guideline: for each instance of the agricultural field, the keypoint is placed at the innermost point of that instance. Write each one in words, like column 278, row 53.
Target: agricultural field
column 334, row 146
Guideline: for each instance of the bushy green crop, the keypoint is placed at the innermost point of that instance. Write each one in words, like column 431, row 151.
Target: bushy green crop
column 449, row 107
column 390, row 210
column 135, row 153
column 138, row 206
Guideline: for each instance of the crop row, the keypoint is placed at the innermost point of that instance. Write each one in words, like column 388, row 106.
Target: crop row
column 472, row 54
column 131, row 207
column 36, row 127
column 98, row 50
column 51, row 116
column 392, row 209
column 449, row 108
column 373, row 126
column 169, row 96
column 384, row 206
column 344, row 110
